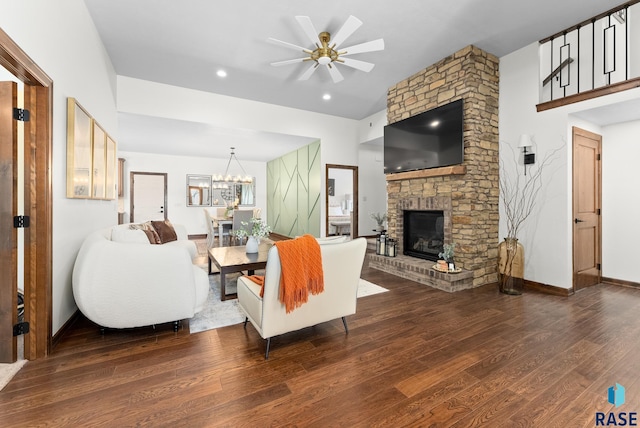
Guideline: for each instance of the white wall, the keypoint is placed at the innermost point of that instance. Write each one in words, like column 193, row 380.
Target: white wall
column 61, row 39
column 372, row 186
column 547, row 236
column 338, row 136
column 620, row 204
column 372, row 182
column 177, row 168
column 372, row 127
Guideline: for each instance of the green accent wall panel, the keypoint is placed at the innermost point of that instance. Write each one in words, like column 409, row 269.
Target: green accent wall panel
column 293, row 186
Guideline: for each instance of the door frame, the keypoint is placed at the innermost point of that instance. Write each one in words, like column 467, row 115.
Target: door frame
column 354, row 170
column 598, row 138
column 132, row 174
column 38, row 196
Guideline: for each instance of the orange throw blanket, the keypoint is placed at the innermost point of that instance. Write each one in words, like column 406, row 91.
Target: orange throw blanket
column 301, row 263
column 258, row 279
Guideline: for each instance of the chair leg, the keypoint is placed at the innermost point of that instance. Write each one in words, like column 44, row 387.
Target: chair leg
column 266, row 353
column 344, row 321
column 176, row 325
column 245, row 321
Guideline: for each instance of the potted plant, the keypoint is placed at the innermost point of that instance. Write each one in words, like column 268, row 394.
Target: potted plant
column 380, row 219
column 258, row 229
column 447, row 254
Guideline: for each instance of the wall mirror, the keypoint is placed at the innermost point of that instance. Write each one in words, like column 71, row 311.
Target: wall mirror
column 198, row 190
column 224, row 193
column 341, row 192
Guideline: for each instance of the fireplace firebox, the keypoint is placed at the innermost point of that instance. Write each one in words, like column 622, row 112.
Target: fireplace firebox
column 423, row 234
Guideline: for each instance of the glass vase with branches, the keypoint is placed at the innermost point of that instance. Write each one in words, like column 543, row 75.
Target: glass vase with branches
column 518, row 195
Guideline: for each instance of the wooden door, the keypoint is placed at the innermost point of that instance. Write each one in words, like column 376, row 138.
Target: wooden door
column 148, row 196
column 8, row 234
column 38, row 100
column 587, row 148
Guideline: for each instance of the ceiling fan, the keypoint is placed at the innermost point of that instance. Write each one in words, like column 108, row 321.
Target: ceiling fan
column 327, row 51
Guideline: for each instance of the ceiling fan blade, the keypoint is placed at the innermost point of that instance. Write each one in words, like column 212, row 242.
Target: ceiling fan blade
column 309, row 29
column 360, row 65
column 335, row 73
column 289, row 45
column 288, row 61
column 374, row 45
column 308, row 72
column 352, row 24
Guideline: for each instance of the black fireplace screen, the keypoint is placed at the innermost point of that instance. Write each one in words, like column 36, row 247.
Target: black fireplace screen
column 423, row 234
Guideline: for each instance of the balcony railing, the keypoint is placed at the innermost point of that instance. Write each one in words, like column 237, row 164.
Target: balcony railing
column 593, row 58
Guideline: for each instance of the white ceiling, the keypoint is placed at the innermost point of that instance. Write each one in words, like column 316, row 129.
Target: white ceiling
column 184, row 43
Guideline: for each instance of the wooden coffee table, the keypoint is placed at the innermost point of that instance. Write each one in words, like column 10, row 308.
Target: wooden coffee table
column 235, row 259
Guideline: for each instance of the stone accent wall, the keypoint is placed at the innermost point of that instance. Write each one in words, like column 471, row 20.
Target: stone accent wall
column 470, row 74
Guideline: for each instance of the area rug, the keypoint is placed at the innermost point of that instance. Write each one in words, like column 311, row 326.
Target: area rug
column 218, row 314
column 8, row 371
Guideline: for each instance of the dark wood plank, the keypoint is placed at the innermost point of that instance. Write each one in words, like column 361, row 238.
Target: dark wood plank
column 414, row 356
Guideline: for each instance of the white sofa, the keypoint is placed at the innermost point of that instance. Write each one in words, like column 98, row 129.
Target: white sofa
column 120, row 280
column 342, row 265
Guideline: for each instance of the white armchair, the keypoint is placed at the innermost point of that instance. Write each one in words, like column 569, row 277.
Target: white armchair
column 342, row 266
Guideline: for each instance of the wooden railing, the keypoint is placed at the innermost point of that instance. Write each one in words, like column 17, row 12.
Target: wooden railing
column 593, row 58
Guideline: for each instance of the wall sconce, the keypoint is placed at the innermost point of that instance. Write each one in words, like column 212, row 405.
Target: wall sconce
column 524, row 144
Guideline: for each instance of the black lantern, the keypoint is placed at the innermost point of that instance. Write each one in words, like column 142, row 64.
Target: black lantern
column 381, row 244
column 390, row 248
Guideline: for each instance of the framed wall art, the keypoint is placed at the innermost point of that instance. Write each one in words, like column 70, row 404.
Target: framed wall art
column 99, row 165
column 91, row 156
column 111, row 169
column 79, row 159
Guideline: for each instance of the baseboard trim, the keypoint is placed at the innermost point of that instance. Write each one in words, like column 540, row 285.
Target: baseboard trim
column 548, row 289
column 65, row 327
column 619, row 282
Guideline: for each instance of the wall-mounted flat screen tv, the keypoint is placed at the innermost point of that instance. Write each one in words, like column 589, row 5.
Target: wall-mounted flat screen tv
column 427, row 140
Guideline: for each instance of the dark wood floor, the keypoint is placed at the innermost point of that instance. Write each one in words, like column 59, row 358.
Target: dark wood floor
column 414, row 356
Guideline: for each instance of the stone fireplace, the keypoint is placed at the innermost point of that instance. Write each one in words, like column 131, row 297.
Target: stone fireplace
column 467, row 194
column 425, row 230
column 423, row 234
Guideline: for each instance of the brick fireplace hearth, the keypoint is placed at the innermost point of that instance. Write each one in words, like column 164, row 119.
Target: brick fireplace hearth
column 467, row 193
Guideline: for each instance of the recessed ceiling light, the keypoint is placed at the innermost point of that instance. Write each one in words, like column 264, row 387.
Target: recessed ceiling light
column 221, row 73
column 434, row 124
column 326, row 97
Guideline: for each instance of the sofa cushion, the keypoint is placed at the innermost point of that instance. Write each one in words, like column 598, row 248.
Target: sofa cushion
column 124, row 234
column 152, row 236
column 165, row 231
column 188, row 245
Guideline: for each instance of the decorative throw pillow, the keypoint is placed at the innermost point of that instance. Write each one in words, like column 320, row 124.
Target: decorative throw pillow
column 152, row 236
column 165, row 231
column 151, row 233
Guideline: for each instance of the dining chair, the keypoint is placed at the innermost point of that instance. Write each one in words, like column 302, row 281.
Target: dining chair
column 212, row 226
column 240, row 216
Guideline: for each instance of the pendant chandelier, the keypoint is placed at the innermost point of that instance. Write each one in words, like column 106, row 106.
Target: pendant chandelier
column 225, row 179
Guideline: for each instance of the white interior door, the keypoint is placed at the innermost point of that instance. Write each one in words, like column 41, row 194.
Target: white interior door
column 148, row 196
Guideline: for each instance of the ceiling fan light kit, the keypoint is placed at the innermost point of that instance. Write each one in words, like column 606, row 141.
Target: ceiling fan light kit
column 326, row 52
